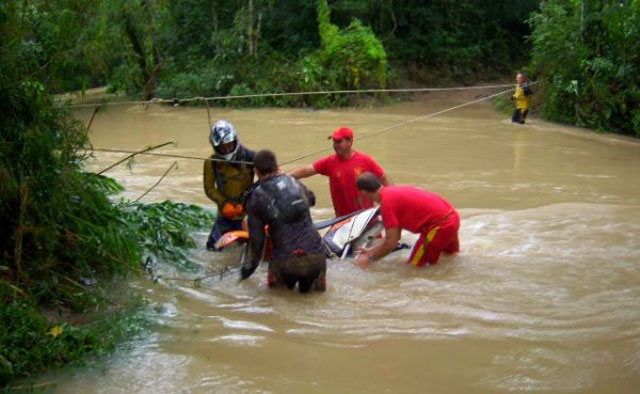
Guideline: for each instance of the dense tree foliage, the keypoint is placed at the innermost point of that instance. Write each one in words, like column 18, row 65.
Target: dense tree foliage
column 583, row 52
column 217, row 47
column 587, row 56
column 62, row 240
column 435, row 40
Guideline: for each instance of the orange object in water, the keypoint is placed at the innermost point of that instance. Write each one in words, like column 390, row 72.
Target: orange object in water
column 228, row 211
column 230, row 237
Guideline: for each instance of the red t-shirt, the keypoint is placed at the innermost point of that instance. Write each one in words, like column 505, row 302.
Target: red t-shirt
column 410, row 208
column 342, row 175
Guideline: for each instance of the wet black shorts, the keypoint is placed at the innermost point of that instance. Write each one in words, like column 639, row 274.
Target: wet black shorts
column 519, row 115
column 308, row 271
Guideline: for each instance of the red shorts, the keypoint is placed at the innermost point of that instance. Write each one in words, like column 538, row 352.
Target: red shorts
column 441, row 238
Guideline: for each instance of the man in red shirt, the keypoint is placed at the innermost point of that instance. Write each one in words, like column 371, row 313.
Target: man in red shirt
column 413, row 209
column 343, row 169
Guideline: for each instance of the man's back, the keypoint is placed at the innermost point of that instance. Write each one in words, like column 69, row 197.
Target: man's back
column 411, row 208
column 288, row 237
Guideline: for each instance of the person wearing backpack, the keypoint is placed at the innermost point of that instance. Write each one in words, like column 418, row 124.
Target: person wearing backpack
column 282, row 203
column 521, row 96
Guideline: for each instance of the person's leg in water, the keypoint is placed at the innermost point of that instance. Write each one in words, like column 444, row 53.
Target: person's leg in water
column 278, row 277
column 309, row 271
column 220, row 227
column 519, row 115
column 273, row 275
column 516, row 116
column 432, row 243
column 313, row 274
column 320, row 282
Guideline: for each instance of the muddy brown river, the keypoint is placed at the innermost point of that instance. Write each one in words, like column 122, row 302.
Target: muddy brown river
column 544, row 296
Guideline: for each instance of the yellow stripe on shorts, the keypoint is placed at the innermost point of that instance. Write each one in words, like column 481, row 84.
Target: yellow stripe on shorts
column 430, row 235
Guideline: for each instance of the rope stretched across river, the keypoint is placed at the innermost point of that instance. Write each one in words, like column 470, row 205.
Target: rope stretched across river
column 262, row 95
column 373, row 133
column 365, row 135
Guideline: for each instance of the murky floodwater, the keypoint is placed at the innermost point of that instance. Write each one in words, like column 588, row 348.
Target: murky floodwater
column 544, row 296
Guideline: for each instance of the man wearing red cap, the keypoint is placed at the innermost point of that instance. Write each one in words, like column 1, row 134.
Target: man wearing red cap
column 343, row 169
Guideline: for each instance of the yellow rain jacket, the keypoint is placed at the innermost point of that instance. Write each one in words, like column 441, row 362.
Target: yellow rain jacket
column 227, row 182
column 521, row 96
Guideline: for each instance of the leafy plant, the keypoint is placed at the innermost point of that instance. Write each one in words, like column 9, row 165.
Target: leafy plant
column 162, row 229
column 585, row 55
column 63, row 242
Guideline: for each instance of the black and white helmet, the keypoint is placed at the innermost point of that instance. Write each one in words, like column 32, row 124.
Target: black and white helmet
column 223, row 132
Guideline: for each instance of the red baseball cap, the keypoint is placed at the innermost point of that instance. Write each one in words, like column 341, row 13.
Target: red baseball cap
column 342, row 132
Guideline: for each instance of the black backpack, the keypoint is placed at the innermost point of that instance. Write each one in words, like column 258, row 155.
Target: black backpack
column 288, row 199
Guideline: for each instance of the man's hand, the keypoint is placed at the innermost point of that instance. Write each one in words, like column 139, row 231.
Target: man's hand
column 363, row 258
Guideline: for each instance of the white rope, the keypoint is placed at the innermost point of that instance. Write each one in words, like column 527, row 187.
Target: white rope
column 371, row 134
column 219, row 98
column 366, row 135
column 169, row 155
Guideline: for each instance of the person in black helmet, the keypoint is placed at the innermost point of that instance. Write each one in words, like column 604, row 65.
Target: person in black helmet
column 227, row 178
column 282, row 203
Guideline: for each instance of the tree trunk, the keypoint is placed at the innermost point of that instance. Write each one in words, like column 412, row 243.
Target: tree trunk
column 215, row 23
column 250, row 39
column 149, row 90
column 256, row 34
column 137, row 48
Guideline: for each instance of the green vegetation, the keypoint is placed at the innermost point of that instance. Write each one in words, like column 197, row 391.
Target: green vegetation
column 162, row 229
column 192, row 48
column 583, row 53
column 586, row 54
column 32, row 343
column 62, row 241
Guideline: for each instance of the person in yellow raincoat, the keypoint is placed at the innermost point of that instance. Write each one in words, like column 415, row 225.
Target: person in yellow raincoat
column 521, row 98
column 227, row 178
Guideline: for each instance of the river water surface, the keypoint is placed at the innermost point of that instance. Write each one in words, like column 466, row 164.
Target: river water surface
column 544, row 296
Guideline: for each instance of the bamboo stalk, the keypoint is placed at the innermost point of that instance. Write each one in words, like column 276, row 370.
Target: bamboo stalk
column 173, row 156
column 133, row 154
column 175, row 164
column 17, row 250
column 208, row 114
column 95, row 111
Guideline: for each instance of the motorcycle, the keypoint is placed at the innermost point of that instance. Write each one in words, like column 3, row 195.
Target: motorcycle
column 346, row 234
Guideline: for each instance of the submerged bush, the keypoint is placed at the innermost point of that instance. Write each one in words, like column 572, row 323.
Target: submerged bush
column 30, row 343
column 162, row 230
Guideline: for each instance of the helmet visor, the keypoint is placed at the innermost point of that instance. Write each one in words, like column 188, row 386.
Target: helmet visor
column 226, row 148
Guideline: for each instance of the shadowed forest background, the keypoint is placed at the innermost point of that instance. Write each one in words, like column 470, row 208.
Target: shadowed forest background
column 582, row 53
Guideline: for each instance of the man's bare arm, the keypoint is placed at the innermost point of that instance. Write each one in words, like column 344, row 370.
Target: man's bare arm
column 385, row 180
column 303, row 172
column 379, row 250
